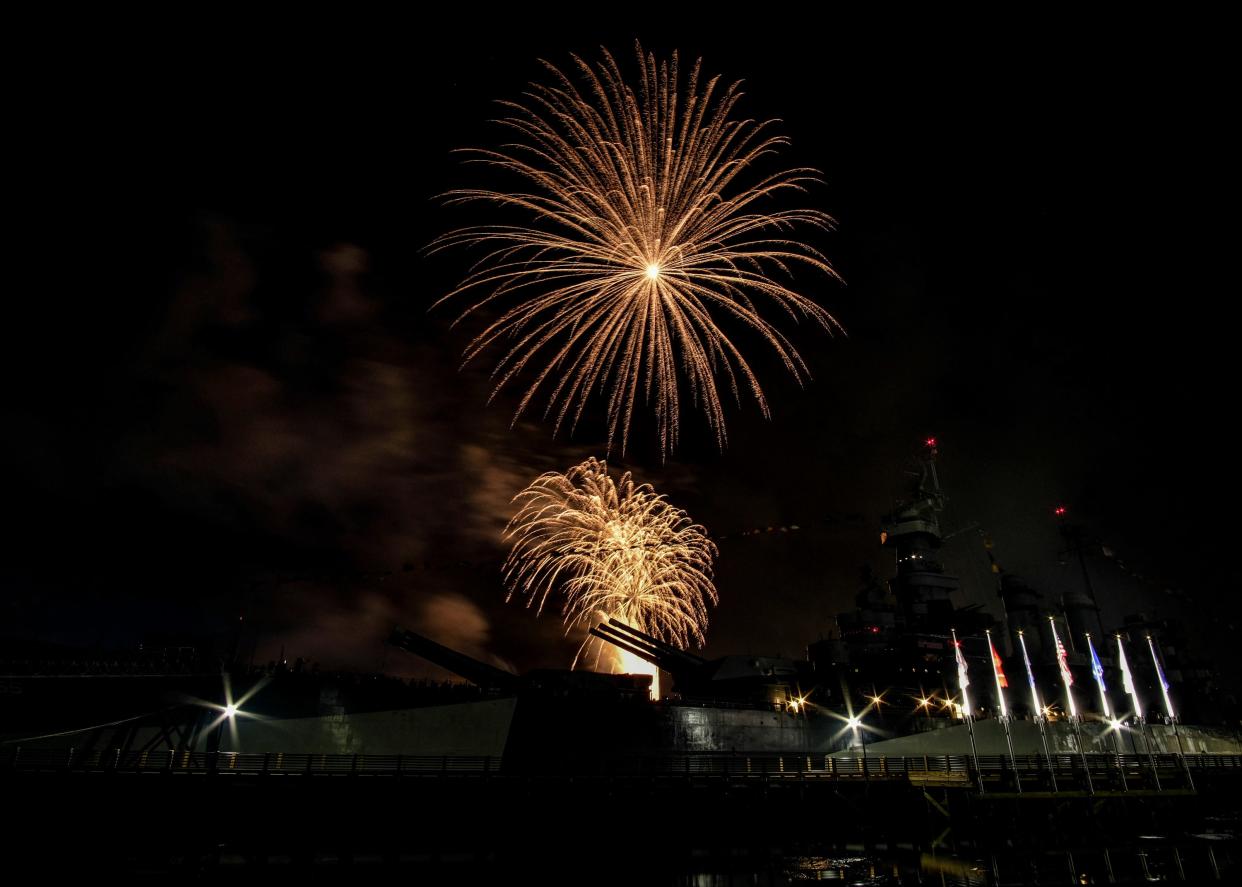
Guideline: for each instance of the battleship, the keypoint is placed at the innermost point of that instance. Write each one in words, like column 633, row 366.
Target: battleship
column 886, row 682
column 831, row 765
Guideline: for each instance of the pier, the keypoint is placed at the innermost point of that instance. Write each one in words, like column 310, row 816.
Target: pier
column 1106, row 818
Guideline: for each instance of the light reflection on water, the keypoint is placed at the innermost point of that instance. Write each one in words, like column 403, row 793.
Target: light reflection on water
column 850, row 870
column 1157, row 861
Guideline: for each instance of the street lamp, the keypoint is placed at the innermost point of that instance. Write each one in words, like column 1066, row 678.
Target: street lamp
column 854, row 722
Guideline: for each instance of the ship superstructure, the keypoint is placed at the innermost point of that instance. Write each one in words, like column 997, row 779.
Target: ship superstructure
column 898, row 637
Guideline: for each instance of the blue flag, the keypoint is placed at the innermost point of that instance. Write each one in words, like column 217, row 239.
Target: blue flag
column 1030, row 675
column 1097, row 668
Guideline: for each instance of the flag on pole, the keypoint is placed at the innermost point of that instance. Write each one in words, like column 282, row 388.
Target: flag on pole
column 1063, row 661
column 999, row 674
column 1001, row 680
column 1037, row 708
column 1030, row 675
column 1097, row 669
column 1127, row 680
column 963, row 679
column 1164, row 684
column 1067, row 677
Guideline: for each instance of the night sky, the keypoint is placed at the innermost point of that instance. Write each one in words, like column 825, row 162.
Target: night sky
column 225, row 394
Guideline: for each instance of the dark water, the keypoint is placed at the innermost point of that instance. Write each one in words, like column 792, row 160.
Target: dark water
column 149, row 828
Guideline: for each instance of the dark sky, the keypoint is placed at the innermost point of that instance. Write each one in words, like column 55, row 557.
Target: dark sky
column 225, row 393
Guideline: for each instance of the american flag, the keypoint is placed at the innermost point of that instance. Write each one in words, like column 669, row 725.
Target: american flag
column 1063, row 661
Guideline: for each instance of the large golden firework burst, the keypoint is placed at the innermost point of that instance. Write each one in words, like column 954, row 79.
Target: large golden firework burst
column 610, row 550
column 645, row 235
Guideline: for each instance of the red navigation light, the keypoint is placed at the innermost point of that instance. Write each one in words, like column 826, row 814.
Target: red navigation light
column 931, row 442
column 875, row 629
column 1059, row 511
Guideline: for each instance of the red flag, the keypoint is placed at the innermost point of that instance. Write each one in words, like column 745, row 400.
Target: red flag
column 996, row 664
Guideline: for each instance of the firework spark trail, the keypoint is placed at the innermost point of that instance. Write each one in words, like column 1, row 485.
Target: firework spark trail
column 645, row 238
column 613, row 550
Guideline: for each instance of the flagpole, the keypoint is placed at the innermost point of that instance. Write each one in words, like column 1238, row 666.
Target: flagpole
column 1004, row 710
column 1067, row 678
column 1097, row 669
column 1168, row 710
column 1127, row 681
column 963, row 681
column 1037, row 710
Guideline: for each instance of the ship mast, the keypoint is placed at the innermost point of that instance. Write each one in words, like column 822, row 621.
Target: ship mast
column 912, row 530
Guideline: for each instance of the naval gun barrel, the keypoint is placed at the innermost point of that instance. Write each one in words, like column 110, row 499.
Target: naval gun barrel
column 474, row 671
column 651, row 649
